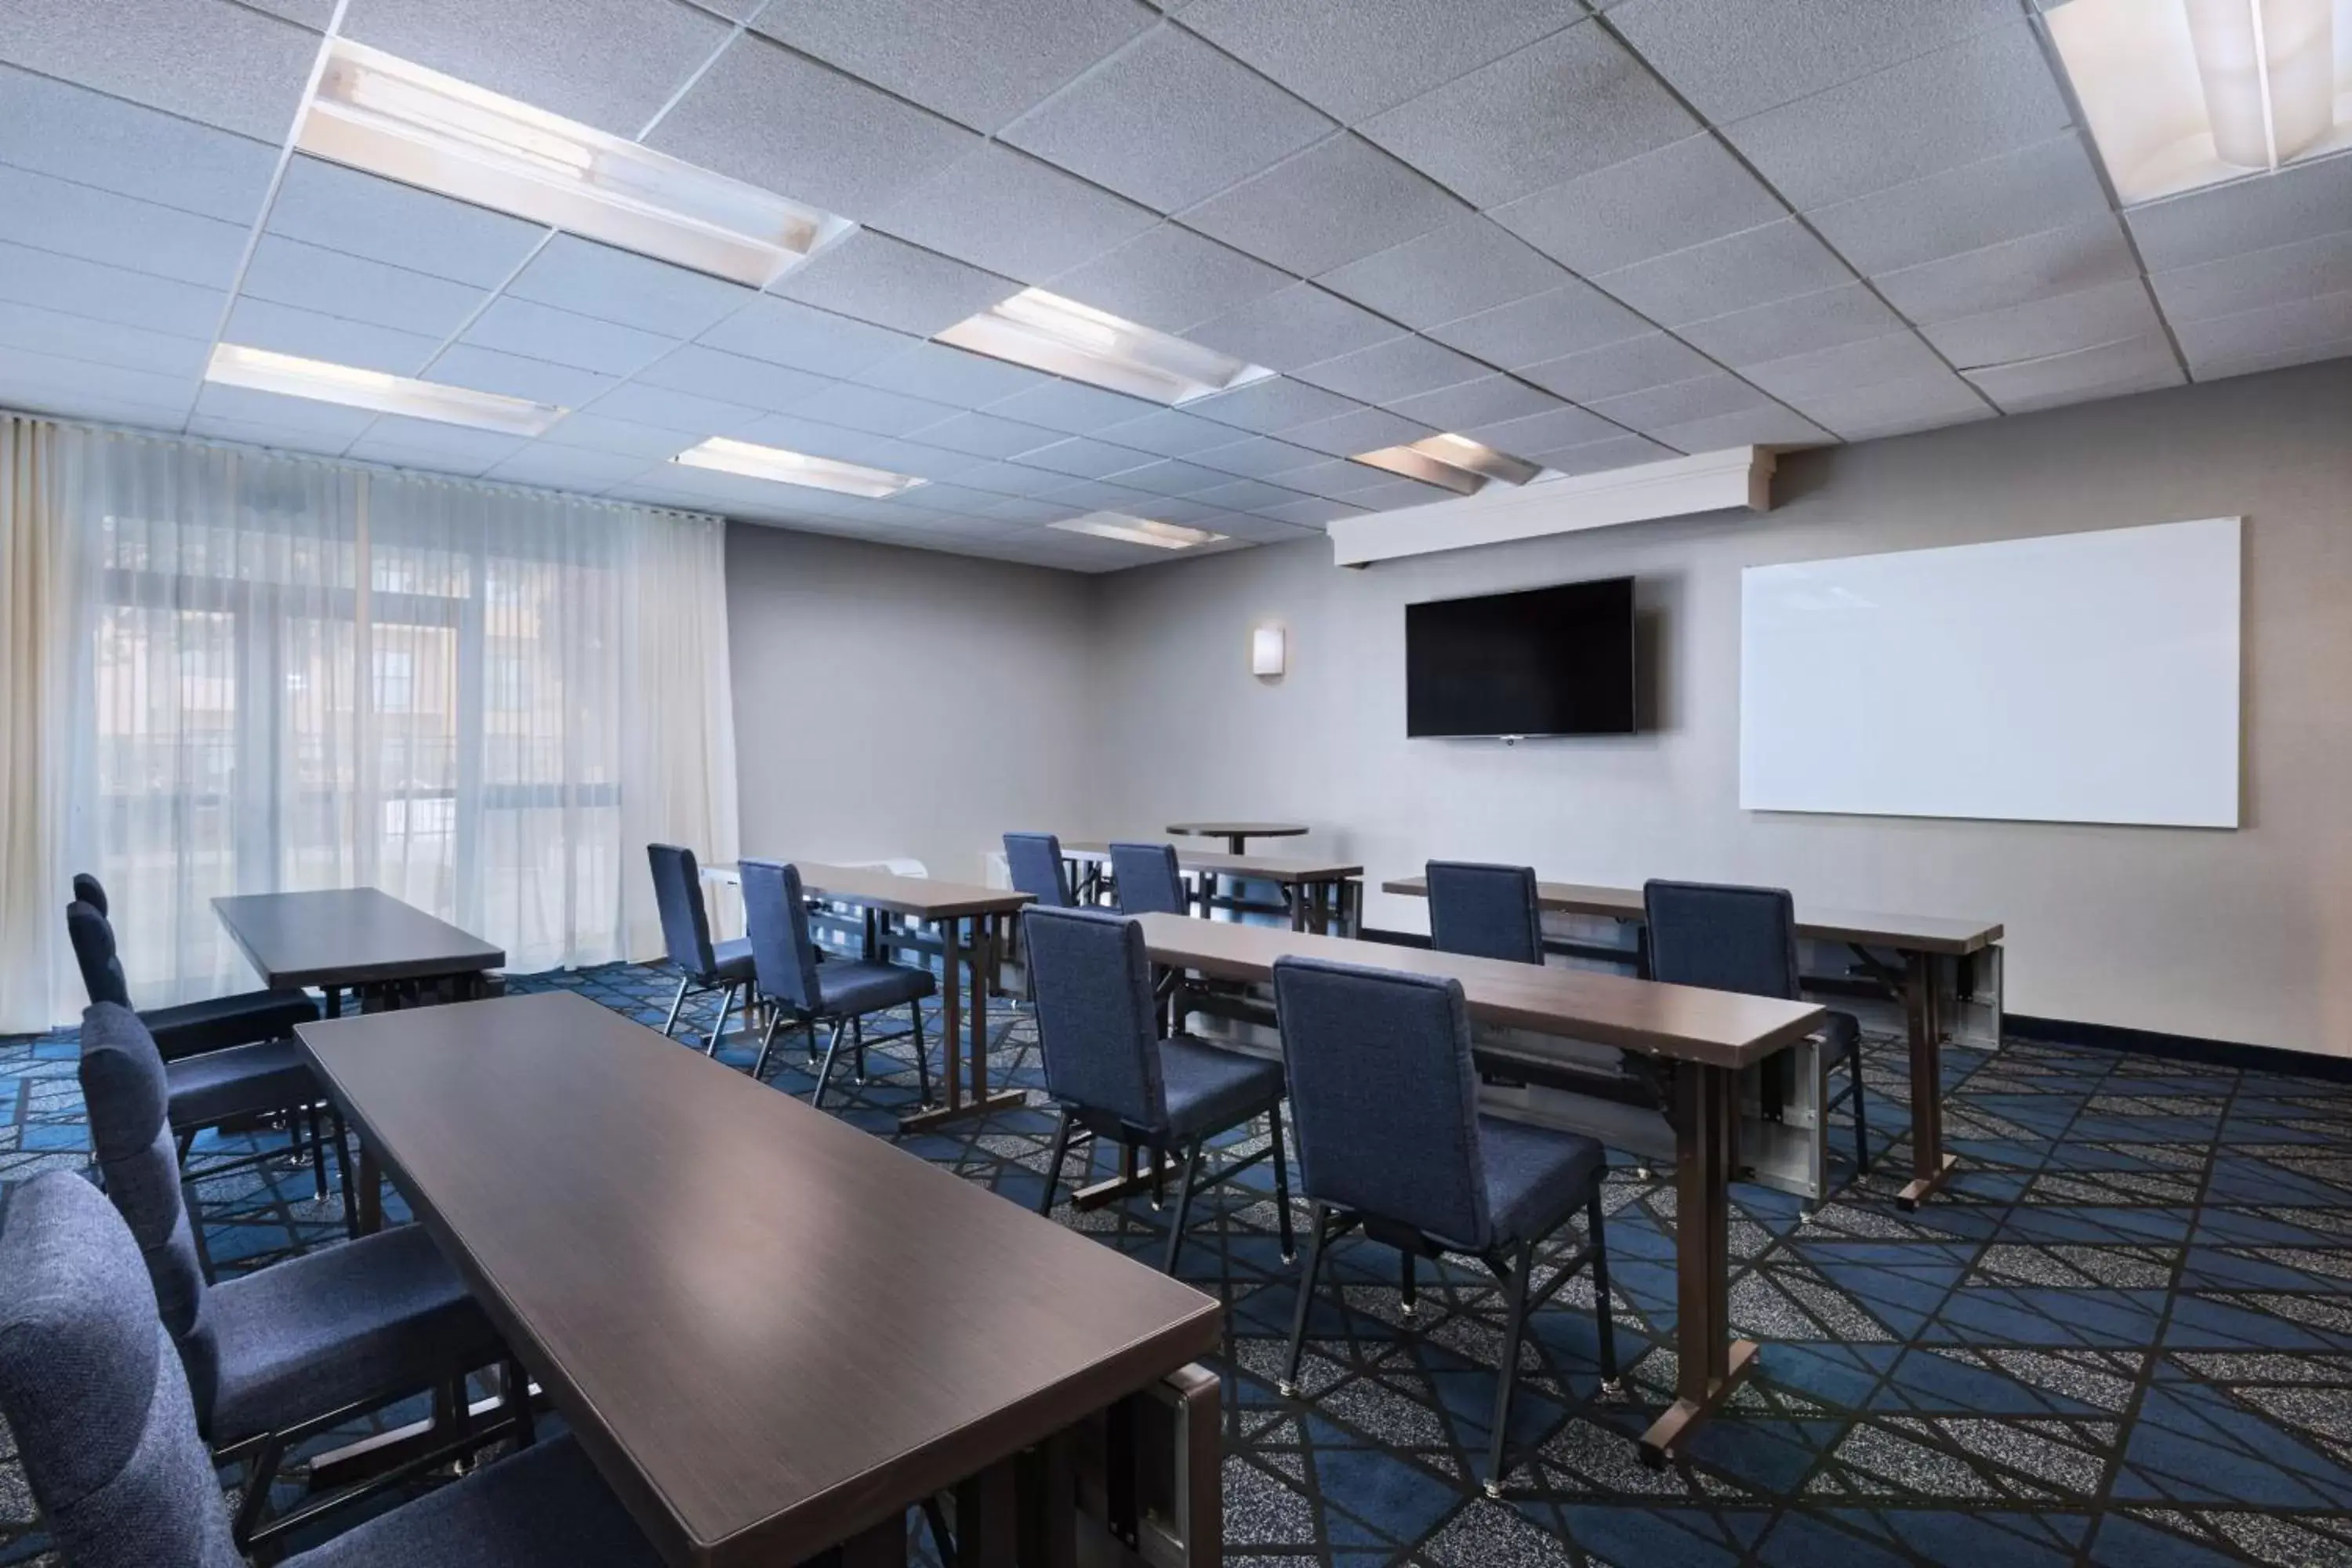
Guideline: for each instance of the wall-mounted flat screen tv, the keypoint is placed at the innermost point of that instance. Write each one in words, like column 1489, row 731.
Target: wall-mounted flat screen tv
column 1547, row 661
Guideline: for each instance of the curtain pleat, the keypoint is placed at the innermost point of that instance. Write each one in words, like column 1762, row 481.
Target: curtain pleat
column 36, row 572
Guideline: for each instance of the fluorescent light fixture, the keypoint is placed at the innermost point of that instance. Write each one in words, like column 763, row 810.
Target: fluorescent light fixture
column 1456, row 462
column 393, row 117
column 2183, row 93
column 756, row 462
column 1047, row 332
column 233, row 364
column 1138, row 530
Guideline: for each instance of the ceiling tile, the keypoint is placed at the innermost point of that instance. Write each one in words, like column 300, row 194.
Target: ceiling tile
column 2278, row 276
column 2268, row 330
column 342, row 209
column 1351, row 59
column 946, row 374
column 206, row 59
column 1168, row 120
column 80, row 288
column 288, row 272
column 2047, row 186
column 1443, row 276
column 1360, row 430
column 1259, row 458
column 1333, row 478
column 44, row 383
column 793, row 126
column 1732, row 61
column 1068, row 407
column 426, row 444
column 1563, row 321
column 566, row 468
column 824, row 439
column 1573, row 103
column 1312, row 511
column 1169, row 433
column 1790, row 326
column 607, row 63
column 1096, row 495
column 2301, row 201
column 1012, row 213
column 893, row 284
column 1295, row 326
column 873, row 410
column 1619, row 368
column 1682, row 401
column 1389, row 371
column 1271, row 405
column 785, row 331
column 1894, row 407
column 2038, row 267
column 688, row 415
column 1001, row 478
column 513, row 375
column 283, row 329
column 611, row 285
column 66, row 219
column 47, row 332
column 1338, row 200
column 1171, row 477
column 1991, row 93
column 254, row 410
column 754, row 383
column 1678, row 196
column 1897, row 355
column 986, row 435
column 1766, row 427
column 2104, row 313
column 1171, row 279
column 1777, row 261
column 603, row 433
column 564, row 337
column 1393, row 494
column 2222, row 362
column 56, row 127
column 954, row 500
column 1083, row 458
column 1486, row 401
column 1601, row 456
column 979, row 62
column 2110, row 370
column 1562, row 425
column 1247, row 495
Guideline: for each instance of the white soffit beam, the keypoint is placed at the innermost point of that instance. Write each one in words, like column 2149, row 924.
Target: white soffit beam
column 1680, row 486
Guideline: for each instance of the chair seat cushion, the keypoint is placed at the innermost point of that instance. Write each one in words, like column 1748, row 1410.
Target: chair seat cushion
column 217, row 1023
column 851, row 986
column 732, row 961
column 1536, row 1177
column 1842, row 1032
column 382, row 1316
column 1209, row 1089
column 544, row 1506
column 217, row 1085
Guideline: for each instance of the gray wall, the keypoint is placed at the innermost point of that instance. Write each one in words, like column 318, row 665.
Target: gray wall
column 2242, row 935
column 899, row 703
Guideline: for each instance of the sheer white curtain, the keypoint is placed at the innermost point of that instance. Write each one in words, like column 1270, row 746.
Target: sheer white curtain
column 292, row 674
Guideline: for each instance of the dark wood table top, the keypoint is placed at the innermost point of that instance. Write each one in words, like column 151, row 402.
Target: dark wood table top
column 1259, row 868
column 1220, row 829
column 347, row 936
column 923, row 898
column 769, row 1329
column 1682, row 1023
column 1914, row 933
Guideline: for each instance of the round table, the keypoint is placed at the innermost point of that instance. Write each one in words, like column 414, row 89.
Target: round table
column 1237, row 835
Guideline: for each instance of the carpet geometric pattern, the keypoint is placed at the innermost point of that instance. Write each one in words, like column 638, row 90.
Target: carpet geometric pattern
column 2122, row 1337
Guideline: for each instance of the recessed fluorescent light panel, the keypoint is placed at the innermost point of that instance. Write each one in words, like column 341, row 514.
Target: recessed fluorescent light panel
column 233, row 364
column 393, row 117
column 2183, row 93
column 1456, row 462
column 1138, row 530
column 756, row 462
column 1047, row 332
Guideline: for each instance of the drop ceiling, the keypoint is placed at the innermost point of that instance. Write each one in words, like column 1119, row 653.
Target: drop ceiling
column 1590, row 235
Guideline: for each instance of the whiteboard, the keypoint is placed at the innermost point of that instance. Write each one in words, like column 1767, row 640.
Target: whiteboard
column 2076, row 678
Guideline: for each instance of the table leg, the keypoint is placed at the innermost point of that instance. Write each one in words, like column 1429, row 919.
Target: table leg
column 370, row 1192
column 963, row 1029
column 1237, row 843
column 1930, row 1166
column 335, row 1000
column 1711, row 1364
column 1294, row 896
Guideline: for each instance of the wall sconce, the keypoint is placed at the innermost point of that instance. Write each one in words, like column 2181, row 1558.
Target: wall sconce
column 1266, row 651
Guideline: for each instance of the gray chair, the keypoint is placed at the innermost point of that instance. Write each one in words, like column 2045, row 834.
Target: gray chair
column 1729, row 938
column 213, row 1023
column 91, row 1387
column 702, row 964
column 277, row 1355
column 842, row 991
column 1034, row 861
column 1485, row 911
column 1115, row 1077
column 1149, row 879
column 1390, row 1142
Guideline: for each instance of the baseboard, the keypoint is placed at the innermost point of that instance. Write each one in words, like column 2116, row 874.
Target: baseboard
column 2229, row 1054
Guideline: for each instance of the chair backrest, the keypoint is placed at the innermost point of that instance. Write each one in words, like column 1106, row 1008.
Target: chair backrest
column 775, row 917
column 1096, row 1027
column 128, row 1097
column 91, row 1387
column 1035, row 862
column 678, row 892
column 1484, row 911
column 1383, row 1095
column 1724, row 937
column 93, row 945
column 1149, row 881
column 90, row 890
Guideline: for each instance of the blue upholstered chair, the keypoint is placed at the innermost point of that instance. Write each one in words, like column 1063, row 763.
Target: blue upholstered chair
column 1390, row 1142
column 1484, row 911
column 214, row 1023
column 842, row 991
column 93, row 1390
column 1149, row 879
column 276, row 1355
column 702, row 964
column 1745, row 939
column 1035, row 862
column 1115, row 1077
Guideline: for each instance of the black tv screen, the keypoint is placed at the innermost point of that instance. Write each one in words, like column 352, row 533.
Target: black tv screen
column 1547, row 661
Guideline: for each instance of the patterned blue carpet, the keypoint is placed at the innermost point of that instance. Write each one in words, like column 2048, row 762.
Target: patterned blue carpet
column 2125, row 1337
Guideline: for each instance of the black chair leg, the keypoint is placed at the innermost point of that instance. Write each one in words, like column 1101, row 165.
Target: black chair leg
column 1183, row 1200
column 825, row 1072
column 1318, row 1222
column 343, row 1174
column 858, row 1049
column 1282, row 1184
column 1408, row 1284
column 726, row 1005
column 766, row 1042
column 922, row 1055
column 1604, row 1319
column 1054, row 1170
column 671, row 1025
column 318, row 1159
column 1861, row 1127
column 1506, row 1375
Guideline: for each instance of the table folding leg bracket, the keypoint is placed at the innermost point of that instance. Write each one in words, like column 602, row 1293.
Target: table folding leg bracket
column 1930, row 1166
column 1711, row 1364
column 963, row 1029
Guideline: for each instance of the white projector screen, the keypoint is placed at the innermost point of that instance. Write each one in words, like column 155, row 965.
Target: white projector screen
column 2075, row 677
